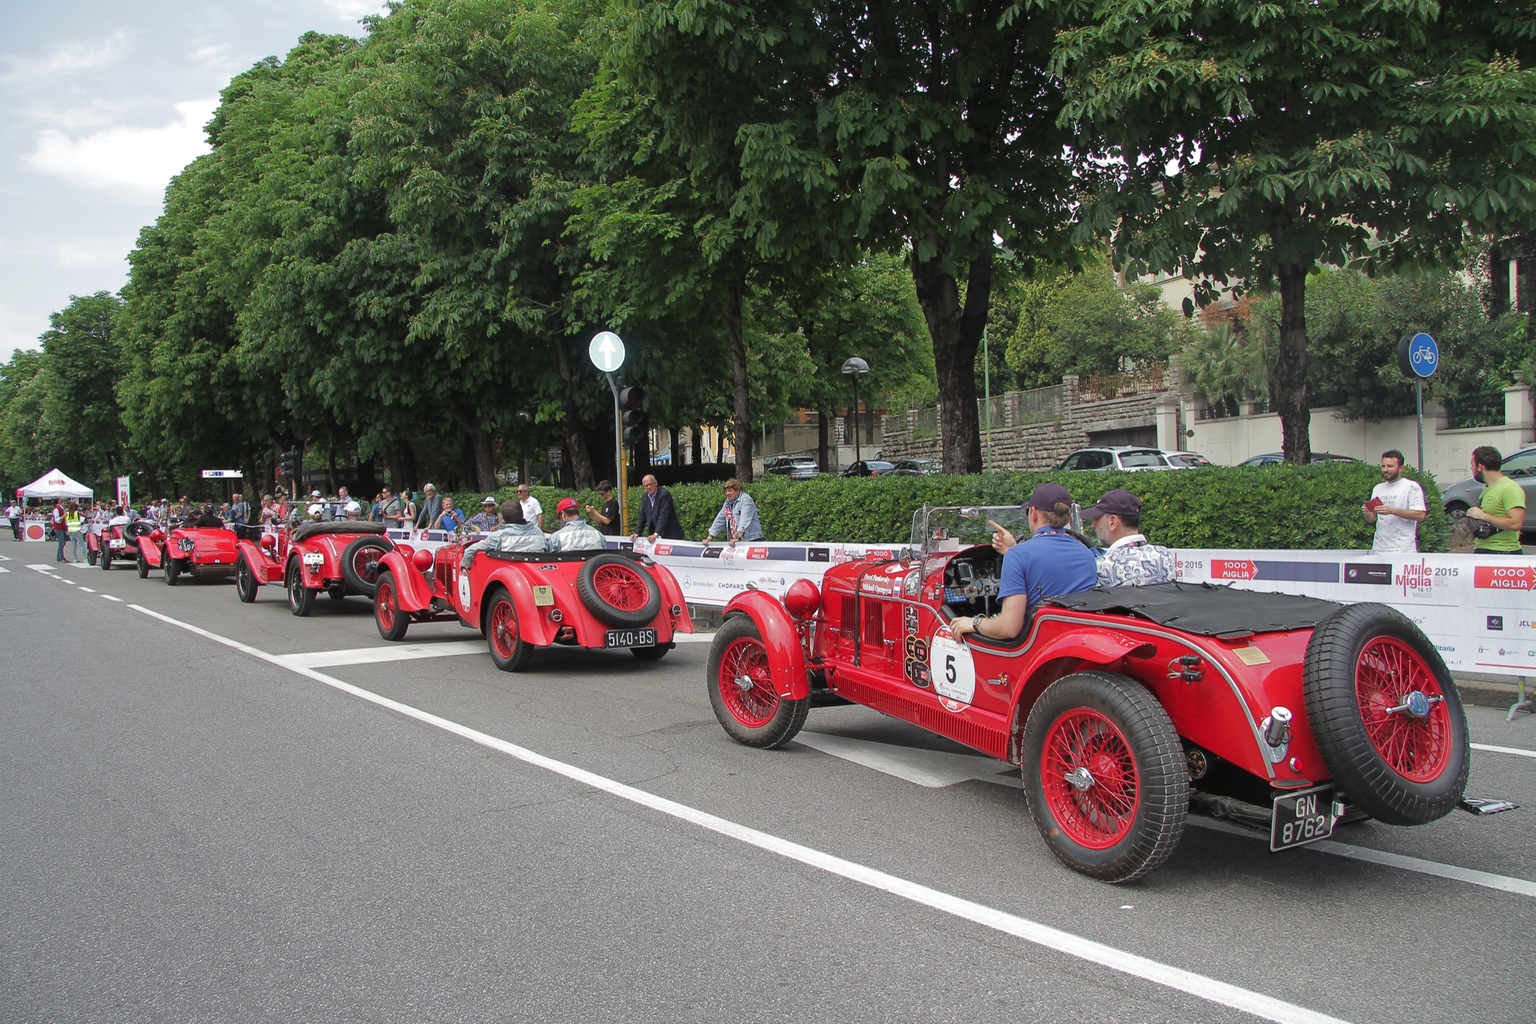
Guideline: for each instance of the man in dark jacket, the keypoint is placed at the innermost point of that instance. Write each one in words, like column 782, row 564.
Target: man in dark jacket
column 658, row 516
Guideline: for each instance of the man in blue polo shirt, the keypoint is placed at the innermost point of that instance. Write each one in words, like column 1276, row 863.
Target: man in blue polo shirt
column 1051, row 563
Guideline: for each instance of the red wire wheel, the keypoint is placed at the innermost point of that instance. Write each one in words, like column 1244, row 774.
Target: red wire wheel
column 742, row 691
column 392, row 622
column 1386, row 715
column 617, row 591
column 509, row 650
column 1416, row 748
column 1089, row 778
column 1104, row 774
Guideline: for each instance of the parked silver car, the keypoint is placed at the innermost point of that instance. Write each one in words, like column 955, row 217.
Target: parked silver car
column 1116, row 456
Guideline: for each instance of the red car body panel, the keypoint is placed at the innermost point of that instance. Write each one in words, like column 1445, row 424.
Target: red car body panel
column 324, row 546
column 214, row 550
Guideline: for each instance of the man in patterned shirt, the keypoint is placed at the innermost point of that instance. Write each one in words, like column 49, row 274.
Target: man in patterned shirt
column 1128, row 559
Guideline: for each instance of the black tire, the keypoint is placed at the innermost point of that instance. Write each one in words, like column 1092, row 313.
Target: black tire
column 1456, row 509
column 106, row 559
column 741, row 690
column 172, row 569
column 651, row 653
column 142, row 564
column 245, row 581
column 301, row 600
column 1125, row 814
column 90, row 556
column 1400, row 767
column 360, row 563
column 509, row 650
column 617, row 591
column 392, row 622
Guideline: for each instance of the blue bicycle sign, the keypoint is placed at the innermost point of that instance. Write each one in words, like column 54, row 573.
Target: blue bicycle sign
column 1418, row 356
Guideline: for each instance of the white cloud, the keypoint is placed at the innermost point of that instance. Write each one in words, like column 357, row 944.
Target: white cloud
column 67, row 57
column 353, row 10
column 139, row 159
column 66, row 254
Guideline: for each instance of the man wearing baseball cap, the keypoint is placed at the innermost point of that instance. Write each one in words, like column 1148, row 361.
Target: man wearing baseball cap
column 1128, row 560
column 575, row 533
column 1050, row 563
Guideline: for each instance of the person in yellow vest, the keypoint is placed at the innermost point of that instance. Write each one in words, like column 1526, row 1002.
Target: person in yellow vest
column 76, row 523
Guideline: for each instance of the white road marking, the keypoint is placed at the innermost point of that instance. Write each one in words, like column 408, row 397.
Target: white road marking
column 1197, row 985
column 1472, row 876
column 1504, row 750
column 5, row 558
column 109, row 597
column 87, row 590
column 693, row 638
column 4, row 569
column 933, row 769
column 376, row 655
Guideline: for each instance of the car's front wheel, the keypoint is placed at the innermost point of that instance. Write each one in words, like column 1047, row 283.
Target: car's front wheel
column 245, row 581
column 172, row 567
column 741, row 689
column 1105, row 777
column 387, row 615
column 509, row 650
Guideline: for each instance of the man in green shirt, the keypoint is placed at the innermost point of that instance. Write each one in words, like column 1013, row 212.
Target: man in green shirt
column 1502, row 504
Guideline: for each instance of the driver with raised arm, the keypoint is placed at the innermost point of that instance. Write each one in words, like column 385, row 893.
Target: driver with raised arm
column 1052, row 562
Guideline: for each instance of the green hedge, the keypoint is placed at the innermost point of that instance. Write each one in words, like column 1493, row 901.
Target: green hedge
column 1274, row 507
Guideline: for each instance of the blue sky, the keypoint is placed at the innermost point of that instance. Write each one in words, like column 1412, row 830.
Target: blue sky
column 101, row 103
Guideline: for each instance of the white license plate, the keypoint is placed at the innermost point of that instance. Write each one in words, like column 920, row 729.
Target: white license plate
column 119, row 543
column 1302, row 817
column 314, row 558
column 629, row 638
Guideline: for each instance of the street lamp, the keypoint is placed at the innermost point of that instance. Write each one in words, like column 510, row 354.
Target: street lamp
column 855, row 367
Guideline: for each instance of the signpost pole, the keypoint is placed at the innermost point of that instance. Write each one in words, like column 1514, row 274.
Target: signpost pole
column 1418, row 357
column 1418, row 388
column 607, row 354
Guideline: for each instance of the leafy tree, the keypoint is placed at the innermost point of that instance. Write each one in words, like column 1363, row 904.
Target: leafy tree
column 1251, row 142
column 924, row 128
column 22, row 452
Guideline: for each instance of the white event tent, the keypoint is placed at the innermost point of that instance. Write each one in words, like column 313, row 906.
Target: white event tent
column 55, row 484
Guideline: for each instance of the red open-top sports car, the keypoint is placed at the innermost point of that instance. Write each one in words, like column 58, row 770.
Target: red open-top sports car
column 339, row 558
column 189, row 551
column 119, row 543
column 526, row 600
column 1126, row 707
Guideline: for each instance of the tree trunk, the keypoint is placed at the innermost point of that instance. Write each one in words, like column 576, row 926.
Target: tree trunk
column 1291, row 399
column 696, row 432
column 730, row 315
column 823, row 437
column 576, row 453
column 956, row 335
column 484, row 459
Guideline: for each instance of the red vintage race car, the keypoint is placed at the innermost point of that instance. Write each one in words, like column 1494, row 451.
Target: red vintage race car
column 119, row 543
column 1126, row 708
column 189, row 551
column 613, row 600
column 339, row 558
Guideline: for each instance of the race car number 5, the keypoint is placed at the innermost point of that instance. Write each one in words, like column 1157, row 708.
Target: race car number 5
column 954, row 674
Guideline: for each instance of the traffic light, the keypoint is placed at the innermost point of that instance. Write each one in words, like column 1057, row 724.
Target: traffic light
column 291, row 464
column 631, row 402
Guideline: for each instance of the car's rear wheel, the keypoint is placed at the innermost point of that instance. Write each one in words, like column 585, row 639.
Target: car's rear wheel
column 1105, row 777
column 245, row 581
column 360, row 563
column 650, row 653
column 172, row 567
column 142, row 564
column 741, row 689
column 90, row 556
column 1386, row 715
column 509, row 650
column 392, row 622
column 301, row 600
column 106, row 559
column 617, row 591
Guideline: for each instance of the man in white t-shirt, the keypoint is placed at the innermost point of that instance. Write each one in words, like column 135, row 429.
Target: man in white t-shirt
column 533, row 512
column 1396, row 507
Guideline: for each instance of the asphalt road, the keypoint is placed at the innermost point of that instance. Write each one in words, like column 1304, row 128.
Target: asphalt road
column 218, row 812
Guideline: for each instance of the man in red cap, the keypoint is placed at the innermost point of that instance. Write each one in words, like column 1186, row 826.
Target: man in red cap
column 575, row 533
column 1051, row 563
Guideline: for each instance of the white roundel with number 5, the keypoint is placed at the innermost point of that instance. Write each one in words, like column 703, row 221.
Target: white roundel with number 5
column 954, row 674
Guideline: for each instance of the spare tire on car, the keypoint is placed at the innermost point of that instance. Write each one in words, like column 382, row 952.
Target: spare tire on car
column 360, row 563
column 1386, row 715
column 617, row 591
